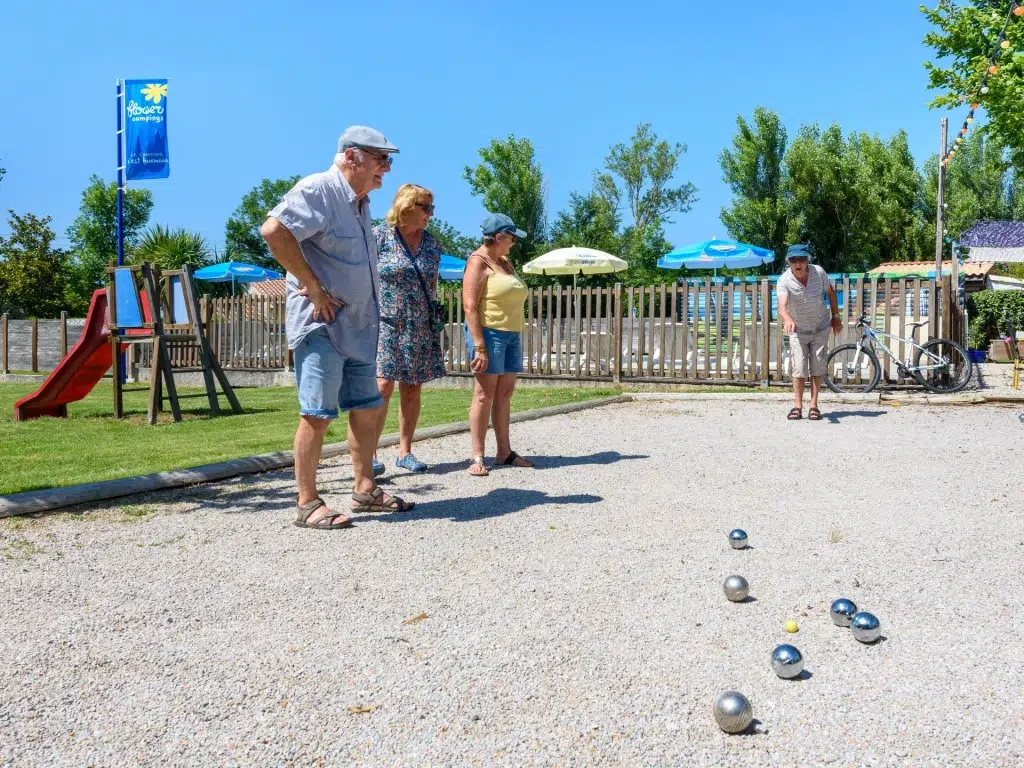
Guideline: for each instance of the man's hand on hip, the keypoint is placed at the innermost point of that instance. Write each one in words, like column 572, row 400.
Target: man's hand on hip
column 324, row 304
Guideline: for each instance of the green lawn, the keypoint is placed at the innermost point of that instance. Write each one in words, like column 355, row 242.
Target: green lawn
column 90, row 445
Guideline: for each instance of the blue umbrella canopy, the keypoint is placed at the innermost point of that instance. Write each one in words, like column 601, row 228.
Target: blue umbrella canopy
column 235, row 272
column 451, row 267
column 716, row 254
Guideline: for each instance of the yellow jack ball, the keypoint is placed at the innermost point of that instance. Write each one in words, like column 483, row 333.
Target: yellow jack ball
column 791, row 626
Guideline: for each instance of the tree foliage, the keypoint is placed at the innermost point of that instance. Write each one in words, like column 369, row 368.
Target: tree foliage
column 33, row 274
column 762, row 211
column 590, row 221
column 640, row 174
column 964, row 36
column 638, row 177
column 451, row 240
column 93, row 234
column 242, row 240
column 510, row 181
column 172, row 249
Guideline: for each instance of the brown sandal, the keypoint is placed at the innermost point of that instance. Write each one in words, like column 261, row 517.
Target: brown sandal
column 368, row 503
column 795, row 414
column 814, row 415
column 325, row 523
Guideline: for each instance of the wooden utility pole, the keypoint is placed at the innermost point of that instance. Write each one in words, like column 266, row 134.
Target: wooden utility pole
column 939, row 221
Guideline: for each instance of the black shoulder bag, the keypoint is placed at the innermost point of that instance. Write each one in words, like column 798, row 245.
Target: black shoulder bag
column 435, row 309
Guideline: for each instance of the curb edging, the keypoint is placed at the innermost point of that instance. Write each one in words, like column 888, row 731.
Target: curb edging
column 28, row 502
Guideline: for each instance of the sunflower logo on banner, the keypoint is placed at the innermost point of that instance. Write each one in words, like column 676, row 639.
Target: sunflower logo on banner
column 146, row 130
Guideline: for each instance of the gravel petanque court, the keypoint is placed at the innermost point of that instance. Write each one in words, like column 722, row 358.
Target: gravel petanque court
column 571, row 615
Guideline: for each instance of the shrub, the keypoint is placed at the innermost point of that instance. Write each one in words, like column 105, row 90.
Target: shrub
column 987, row 310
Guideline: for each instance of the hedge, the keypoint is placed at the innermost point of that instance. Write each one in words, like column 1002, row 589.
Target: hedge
column 987, row 310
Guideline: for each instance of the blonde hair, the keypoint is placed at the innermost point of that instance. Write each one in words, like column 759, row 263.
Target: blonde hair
column 405, row 198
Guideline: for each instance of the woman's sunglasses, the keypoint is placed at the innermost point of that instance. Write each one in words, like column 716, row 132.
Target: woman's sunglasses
column 427, row 207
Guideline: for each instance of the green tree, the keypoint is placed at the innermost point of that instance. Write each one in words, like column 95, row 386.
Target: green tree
column 964, row 36
column 639, row 175
column 979, row 182
column 837, row 187
column 510, row 181
column 893, row 186
column 33, row 274
column 452, row 241
column 172, row 249
column 590, row 221
column 761, row 212
column 93, row 234
column 3, row 172
column 980, row 185
column 242, row 238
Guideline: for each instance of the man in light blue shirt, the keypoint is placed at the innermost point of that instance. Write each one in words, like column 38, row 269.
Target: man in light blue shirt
column 320, row 233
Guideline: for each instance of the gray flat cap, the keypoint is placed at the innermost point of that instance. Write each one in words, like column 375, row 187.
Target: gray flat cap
column 363, row 137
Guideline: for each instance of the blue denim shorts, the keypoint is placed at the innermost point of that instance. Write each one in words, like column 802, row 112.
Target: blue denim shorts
column 504, row 350
column 330, row 382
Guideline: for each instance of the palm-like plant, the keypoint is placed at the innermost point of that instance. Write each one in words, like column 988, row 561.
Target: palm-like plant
column 172, row 249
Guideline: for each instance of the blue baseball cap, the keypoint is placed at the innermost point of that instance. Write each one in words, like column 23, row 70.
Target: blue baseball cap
column 499, row 222
column 800, row 251
column 362, row 137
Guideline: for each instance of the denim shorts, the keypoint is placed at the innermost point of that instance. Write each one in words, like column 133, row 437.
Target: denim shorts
column 504, row 350
column 329, row 382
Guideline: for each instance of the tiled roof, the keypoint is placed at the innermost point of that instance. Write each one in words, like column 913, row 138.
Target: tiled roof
column 924, row 268
column 994, row 234
column 267, row 288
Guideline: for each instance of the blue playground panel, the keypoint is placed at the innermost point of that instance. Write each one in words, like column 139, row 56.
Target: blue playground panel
column 129, row 310
column 179, row 311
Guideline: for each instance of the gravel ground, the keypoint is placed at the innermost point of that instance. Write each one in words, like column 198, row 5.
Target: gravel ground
column 574, row 614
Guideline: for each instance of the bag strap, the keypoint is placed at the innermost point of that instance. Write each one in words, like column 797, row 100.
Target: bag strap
column 415, row 266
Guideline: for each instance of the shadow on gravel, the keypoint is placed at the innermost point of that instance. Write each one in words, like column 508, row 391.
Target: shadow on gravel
column 497, row 502
column 835, row 416
column 543, row 462
column 602, row 458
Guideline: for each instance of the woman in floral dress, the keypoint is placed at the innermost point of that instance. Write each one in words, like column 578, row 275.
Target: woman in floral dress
column 408, row 352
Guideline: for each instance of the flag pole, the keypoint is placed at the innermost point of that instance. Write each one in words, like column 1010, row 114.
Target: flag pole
column 120, row 176
column 120, row 201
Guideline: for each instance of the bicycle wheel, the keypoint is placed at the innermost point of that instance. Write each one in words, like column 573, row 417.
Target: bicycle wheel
column 849, row 369
column 954, row 366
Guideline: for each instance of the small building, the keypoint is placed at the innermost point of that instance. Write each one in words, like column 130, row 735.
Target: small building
column 975, row 275
column 268, row 288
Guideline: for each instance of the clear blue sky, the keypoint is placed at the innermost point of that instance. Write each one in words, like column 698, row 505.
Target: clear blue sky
column 261, row 89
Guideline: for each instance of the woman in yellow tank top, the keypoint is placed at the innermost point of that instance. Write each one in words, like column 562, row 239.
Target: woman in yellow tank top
column 494, row 296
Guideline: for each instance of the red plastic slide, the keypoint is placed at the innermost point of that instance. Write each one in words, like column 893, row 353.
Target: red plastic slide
column 80, row 371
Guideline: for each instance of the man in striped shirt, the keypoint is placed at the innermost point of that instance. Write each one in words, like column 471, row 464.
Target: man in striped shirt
column 803, row 291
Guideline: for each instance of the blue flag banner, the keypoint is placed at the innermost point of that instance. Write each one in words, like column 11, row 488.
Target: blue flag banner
column 145, row 111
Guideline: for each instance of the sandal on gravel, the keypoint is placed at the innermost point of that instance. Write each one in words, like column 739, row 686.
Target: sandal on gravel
column 795, row 414
column 368, row 503
column 814, row 415
column 329, row 522
column 512, row 458
column 478, row 461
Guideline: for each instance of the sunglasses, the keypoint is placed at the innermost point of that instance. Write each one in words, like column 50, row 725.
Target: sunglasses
column 427, row 207
column 383, row 159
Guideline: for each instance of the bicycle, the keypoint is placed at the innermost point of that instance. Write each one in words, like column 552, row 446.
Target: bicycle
column 939, row 365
